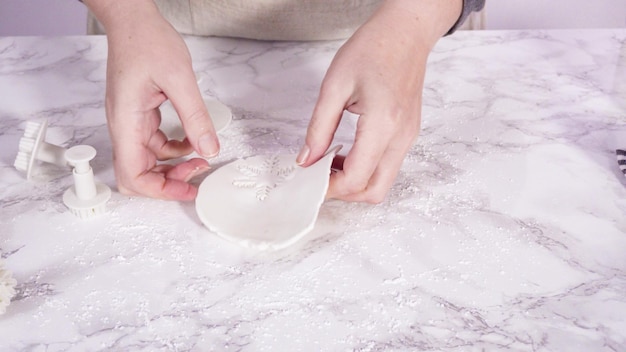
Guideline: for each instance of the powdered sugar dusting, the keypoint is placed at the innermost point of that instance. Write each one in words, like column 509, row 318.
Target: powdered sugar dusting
column 504, row 225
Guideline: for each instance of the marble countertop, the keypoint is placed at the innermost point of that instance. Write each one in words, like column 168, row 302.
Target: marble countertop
column 505, row 230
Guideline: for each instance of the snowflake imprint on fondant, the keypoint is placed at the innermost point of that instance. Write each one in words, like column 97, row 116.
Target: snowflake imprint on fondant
column 264, row 178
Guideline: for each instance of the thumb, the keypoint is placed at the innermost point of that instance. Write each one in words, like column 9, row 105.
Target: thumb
column 184, row 94
column 323, row 125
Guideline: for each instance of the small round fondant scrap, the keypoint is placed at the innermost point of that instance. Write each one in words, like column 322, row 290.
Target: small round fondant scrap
column 221, row 115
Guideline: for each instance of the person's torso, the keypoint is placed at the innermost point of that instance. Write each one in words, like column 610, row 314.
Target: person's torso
column 269, row 19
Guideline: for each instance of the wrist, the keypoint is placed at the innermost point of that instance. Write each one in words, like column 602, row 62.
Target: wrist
column 427, row 20
column 114, row 14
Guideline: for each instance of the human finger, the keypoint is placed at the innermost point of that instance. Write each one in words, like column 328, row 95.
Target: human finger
column 373, row 135
column 182, row 90
column 377, row 186
column 169, row 182
column 327, row 114
column 166, row 149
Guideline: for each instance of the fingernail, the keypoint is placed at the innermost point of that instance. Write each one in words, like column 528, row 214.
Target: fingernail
column 197, row 171
column 208, row 146
column 303, row 155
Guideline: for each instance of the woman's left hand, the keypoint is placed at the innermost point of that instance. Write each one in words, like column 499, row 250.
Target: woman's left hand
column 378, row 74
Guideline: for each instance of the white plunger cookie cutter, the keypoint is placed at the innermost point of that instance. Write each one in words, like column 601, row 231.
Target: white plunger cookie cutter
column 86, row 198
column 33, row 147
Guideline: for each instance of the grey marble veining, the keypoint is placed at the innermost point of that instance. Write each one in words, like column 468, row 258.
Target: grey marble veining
column 505, row 230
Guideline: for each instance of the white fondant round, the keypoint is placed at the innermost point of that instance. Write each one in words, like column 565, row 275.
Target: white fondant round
column 221, row 115
column 264, row 202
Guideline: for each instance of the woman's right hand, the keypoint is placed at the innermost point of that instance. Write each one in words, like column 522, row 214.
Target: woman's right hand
column 149, row 63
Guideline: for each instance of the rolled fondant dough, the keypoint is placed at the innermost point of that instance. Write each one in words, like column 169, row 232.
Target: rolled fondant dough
column 265, row 202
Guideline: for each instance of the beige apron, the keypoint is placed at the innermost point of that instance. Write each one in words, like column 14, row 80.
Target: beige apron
column 264, row 19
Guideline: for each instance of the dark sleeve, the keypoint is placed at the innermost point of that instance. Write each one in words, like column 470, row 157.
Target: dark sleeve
column 468, row 7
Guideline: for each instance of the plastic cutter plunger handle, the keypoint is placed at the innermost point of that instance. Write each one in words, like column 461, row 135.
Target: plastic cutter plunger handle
column 86, row 198
column 79, row 157
column 84, row 183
